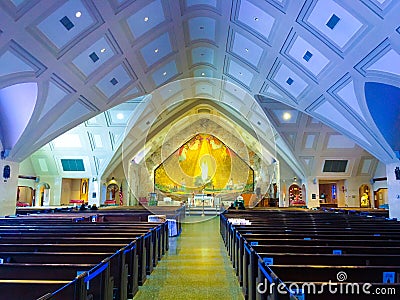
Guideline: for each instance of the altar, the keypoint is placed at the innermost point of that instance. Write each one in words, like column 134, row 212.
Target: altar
column 198, row 199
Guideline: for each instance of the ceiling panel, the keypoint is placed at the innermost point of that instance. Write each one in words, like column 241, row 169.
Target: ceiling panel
column 146, row 19
column 94, row 57
column 165, row 73
column 10, row 64
column 157, row 49
column 286, row 116
column 307, row 57
column 212, row 3
column 336, row 141
column 247, row 50
column 66, row 23
column 15, row 59
column 54, row 95
column 289, row 81
column 331, row 22
column 254, row 19
column 114, row 81
column 240, row 73
column 203, row 55
column 202, row 29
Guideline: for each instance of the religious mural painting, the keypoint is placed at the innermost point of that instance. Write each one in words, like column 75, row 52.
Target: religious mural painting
column 204, row 164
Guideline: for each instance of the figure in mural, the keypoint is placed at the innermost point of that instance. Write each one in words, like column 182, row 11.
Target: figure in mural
column 230, row 184
column 182, row 155
column 214, row 144
column 210, row 166
column 204, row 170
column 195, row 145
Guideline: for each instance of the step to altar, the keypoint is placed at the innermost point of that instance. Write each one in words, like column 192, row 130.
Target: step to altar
column 197, row 211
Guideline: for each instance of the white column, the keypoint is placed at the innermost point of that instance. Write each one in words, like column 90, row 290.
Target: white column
column 393, row 185
column 94, row 192
column 312, row 192
column 8, row 188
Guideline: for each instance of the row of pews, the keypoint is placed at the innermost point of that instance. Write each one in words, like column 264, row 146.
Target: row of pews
column 78, row 256
column 285, row 254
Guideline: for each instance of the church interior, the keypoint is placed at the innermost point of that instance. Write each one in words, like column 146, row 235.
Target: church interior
column 211, row 142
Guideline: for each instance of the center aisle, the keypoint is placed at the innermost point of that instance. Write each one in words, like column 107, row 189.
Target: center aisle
column 196, row 266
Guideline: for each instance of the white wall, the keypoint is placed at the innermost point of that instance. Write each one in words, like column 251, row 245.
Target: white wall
column 8, row 189
column 380, row 173
column 55, row 188
column 393, row 190
column 312, row 188
column 352, row 194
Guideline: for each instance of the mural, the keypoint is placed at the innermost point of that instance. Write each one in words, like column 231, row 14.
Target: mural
column 204, row 163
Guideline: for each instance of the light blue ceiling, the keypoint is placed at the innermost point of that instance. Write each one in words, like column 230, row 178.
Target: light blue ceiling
column 203, row 55
column 255, row 19
column 384, row 104
column 165, row 73
column 202, row 28
column 246, row 49
column 157, row 49
column 240, row 73
column 56, row 32
column 146, row 19
column 17, row 103
column 94, row 57
column 283, row 50
column 115, row 81
column 212, row 3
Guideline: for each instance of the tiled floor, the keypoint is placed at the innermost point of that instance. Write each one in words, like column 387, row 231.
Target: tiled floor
column 196, row 266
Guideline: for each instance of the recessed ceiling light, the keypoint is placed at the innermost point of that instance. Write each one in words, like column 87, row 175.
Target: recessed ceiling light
column 256, row 19
column 286, row 116
column 203, row 74
column 146, row 19
column 240, row 73
column 120, row 116
column 78, row 14
column 156, row 50
column 165, row 73
column 103, row 50
column 246, row 49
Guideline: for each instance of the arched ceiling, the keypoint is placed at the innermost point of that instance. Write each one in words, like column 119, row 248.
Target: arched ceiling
column 312, row 56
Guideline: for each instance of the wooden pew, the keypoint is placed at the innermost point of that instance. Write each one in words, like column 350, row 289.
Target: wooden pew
column 30, row 289
column 295, row 239
column 51, row 275
column 269, row 286
column 150, row 240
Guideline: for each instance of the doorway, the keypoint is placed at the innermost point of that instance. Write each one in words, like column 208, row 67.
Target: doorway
column 328, row 196
column 42, row 197
column 364, row 196
column 296, row 196
column 381, row 198
column 25, row 195
column 74, row 191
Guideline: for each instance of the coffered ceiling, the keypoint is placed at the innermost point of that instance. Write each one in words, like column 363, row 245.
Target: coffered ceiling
column 64, row 62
